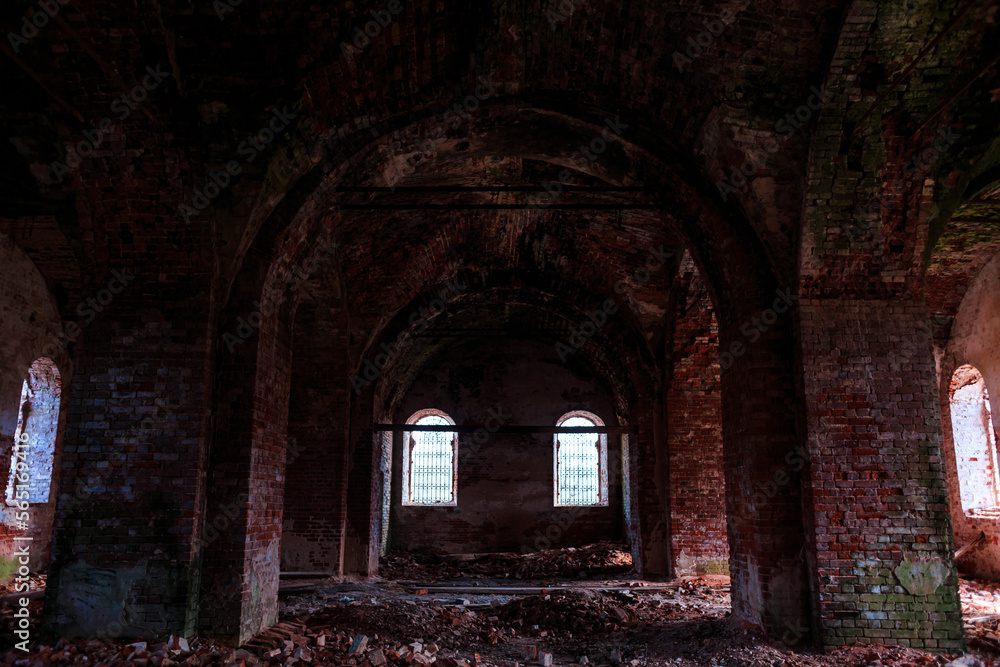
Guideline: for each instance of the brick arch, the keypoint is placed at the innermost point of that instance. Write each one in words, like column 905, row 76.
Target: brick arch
column 766, row 543
column 545, row 302
column 309, row 211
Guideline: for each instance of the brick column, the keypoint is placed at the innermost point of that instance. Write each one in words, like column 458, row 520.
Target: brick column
column 314, row 509
column 651, row 554
column 240, row 545
column 763, row 472
column 694, row 444
column 361, row 537
column 881, row 536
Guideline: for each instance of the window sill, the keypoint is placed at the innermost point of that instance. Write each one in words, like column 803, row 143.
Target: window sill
column 448, row 504
column 984, row 512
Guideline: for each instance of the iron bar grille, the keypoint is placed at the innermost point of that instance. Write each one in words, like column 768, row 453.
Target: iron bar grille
column 432, row 463
column 578, row 465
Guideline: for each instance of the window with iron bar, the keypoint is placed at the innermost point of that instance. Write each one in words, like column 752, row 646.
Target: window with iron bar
column 429, row 474
column 580, row 460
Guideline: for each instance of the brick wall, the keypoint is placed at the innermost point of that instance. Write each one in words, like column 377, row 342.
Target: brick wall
column 505, row 481
column 315, row 498
column 128, row 499
column 883, row 537
column 694, row 434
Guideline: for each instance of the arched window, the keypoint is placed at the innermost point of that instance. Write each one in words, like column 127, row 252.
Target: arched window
column 429, row 471
column 35, row 438
column 975, row 439
column 581, row 462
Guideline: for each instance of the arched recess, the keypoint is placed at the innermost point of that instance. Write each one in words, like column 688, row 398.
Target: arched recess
column 429, row 472
column 591, row 450
column 973, row 348
column 29, row 487
column 759, row 395
column 33, row 357
column 533, row 313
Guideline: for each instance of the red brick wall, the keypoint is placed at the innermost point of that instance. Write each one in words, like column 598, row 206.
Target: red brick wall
column 315, row 497
column 878, row 480
column 505, row 481
column 694, row 434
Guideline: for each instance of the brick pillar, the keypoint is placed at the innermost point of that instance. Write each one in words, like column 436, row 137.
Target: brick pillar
column 694, row 444
column 651, row 553
column 240, row 546
column 763, row 479
column 361, row 537
column 884, row 567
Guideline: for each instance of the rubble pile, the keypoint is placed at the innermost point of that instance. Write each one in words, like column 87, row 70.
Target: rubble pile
column 9, row 623
column 564, row 614
column 682, row 624
column 595, row 561
column 979, row 598
column 34, row 580
column 176, row 651
column 981, row 611
column 289, row 643
column 697, row 594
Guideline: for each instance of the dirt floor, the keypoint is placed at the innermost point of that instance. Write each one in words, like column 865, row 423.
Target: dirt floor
column 565, row 606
